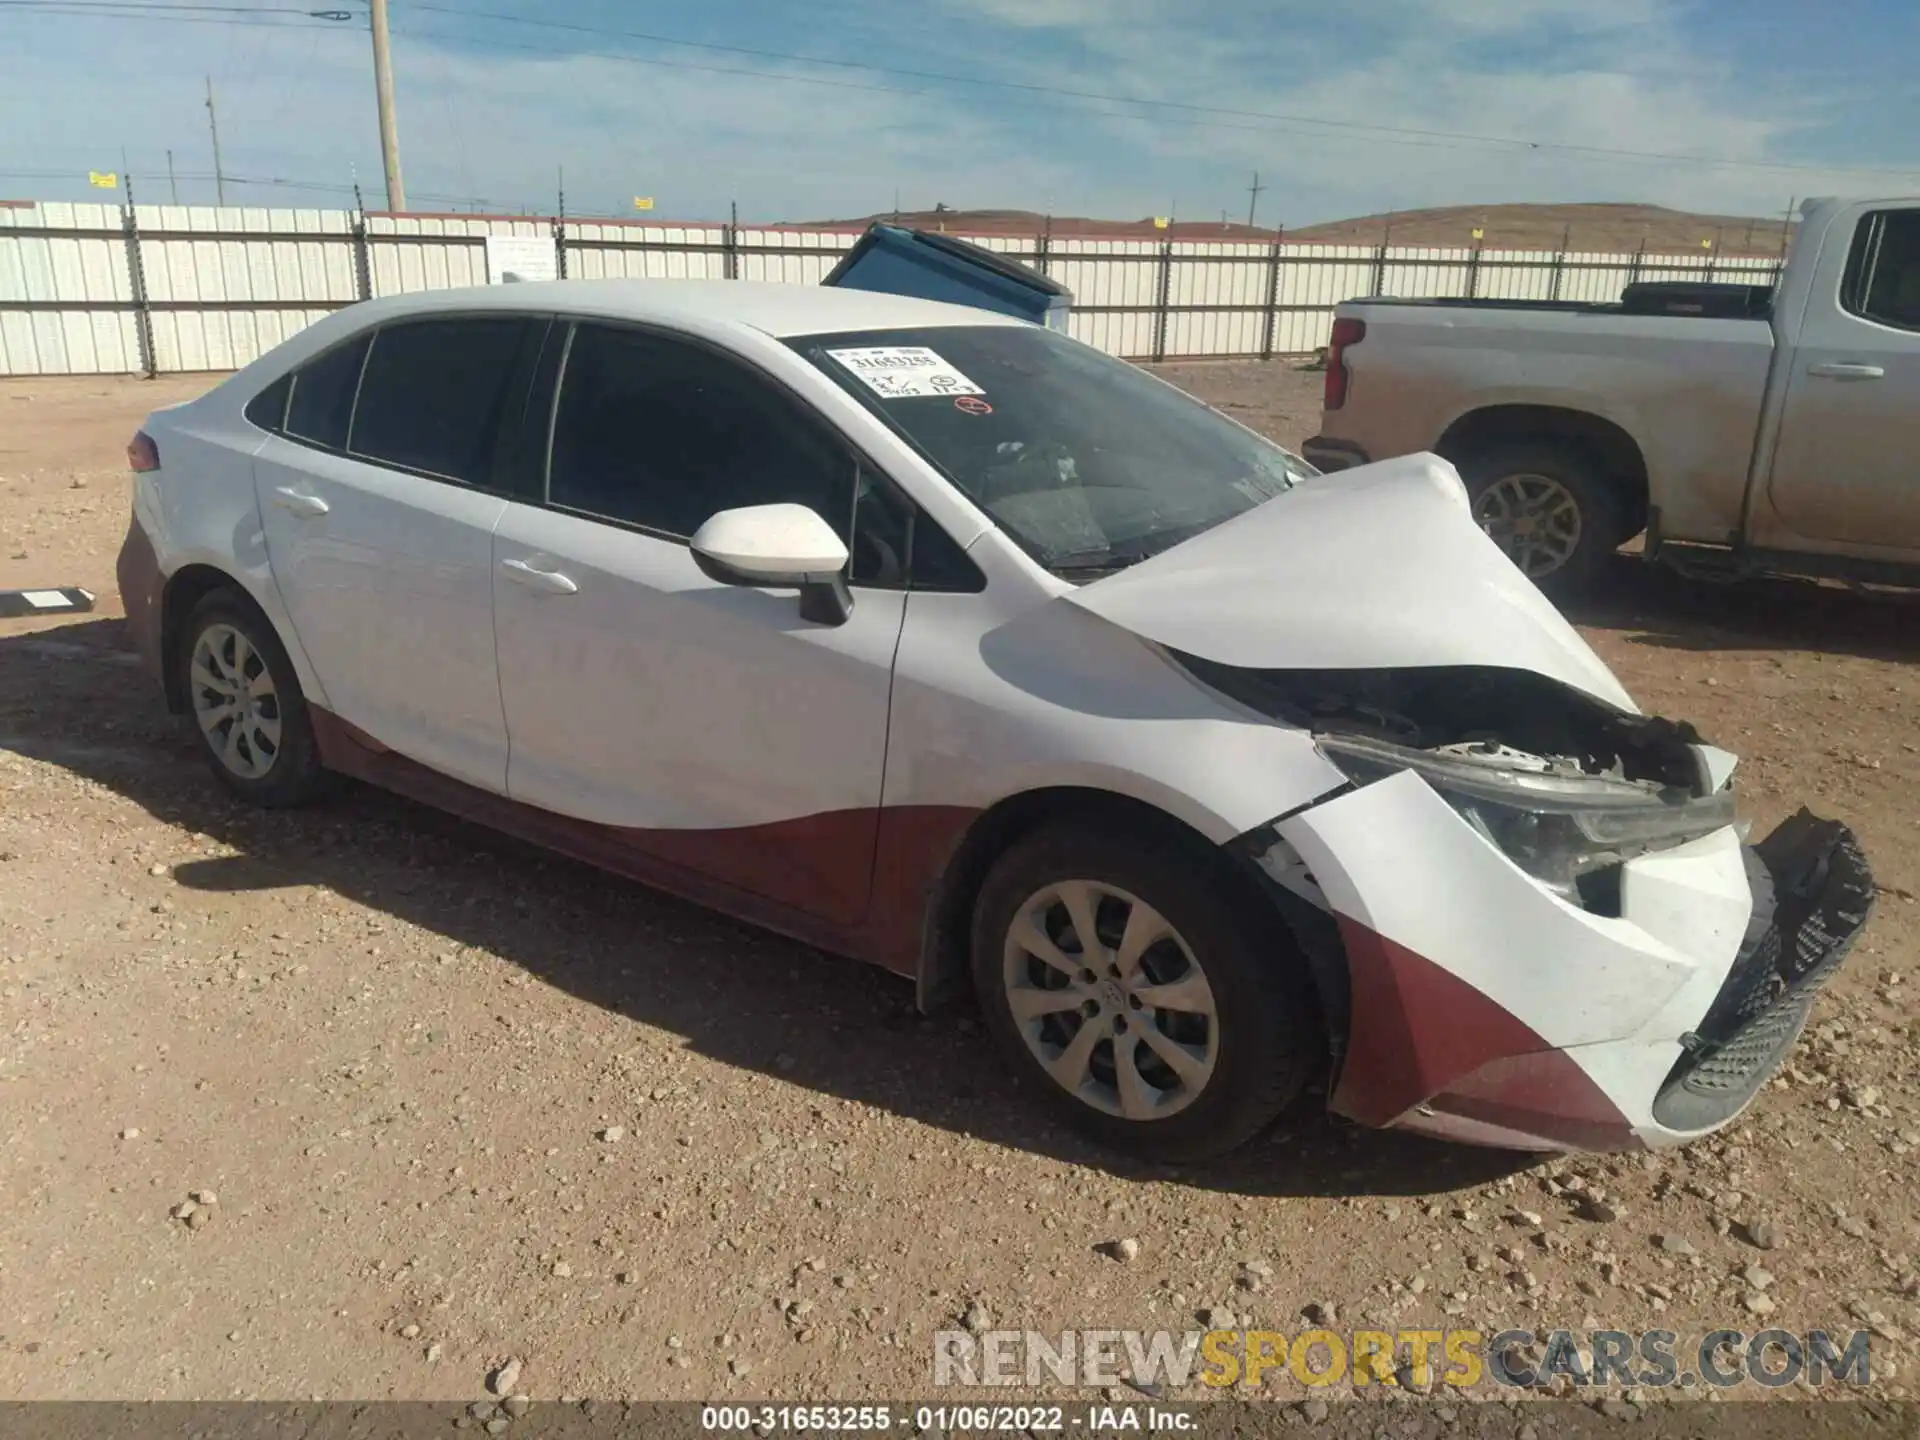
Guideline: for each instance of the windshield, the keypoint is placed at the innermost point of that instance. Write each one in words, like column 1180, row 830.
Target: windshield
column 1089, row 463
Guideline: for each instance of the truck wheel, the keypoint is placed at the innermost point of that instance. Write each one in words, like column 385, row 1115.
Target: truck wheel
column 1549, row 507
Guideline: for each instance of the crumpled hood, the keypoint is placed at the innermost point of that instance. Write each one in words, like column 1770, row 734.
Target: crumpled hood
column 1377, row 566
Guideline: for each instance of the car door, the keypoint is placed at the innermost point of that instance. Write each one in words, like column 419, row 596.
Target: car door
column 379, row 506
column 1844, row 471
column 704, row 725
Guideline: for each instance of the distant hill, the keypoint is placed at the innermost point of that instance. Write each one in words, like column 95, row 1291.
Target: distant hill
column 1599, row 226
column 1542, row 227
column 1032, row 222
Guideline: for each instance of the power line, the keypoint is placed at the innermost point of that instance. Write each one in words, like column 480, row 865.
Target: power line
column 140, row 6
column 273, row 182
column 950, row 78
column 289, row 21
column 1082, row 110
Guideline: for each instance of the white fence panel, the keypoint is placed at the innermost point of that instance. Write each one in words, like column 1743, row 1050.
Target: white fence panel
column 212, row 289
column 1516, row 275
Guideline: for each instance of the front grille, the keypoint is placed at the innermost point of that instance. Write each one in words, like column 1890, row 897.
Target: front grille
column 1813, row 893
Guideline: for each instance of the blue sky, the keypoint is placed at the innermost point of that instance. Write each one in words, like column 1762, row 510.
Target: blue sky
column 1343, row 109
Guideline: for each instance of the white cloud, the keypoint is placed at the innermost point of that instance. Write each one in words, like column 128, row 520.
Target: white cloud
column 498, row 121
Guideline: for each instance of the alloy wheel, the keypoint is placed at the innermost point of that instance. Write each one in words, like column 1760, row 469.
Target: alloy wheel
column 1534, row 519
column 1110, row 1000
column 234, row 701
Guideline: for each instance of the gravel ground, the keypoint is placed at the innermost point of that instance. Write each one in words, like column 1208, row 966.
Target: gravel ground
column 361, row 1101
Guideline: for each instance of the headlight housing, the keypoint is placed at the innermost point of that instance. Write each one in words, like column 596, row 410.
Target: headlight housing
column 1555, row 822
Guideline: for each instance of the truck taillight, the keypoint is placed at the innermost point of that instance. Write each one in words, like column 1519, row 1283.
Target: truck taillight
column 142, row 453
column 1346, row 333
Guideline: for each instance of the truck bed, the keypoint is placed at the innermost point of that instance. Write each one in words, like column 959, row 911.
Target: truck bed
column 1690, row 385
column 1679, row 299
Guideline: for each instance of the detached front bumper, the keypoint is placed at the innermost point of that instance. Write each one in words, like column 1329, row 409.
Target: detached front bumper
column 1485, row 1009
column 1813, row 893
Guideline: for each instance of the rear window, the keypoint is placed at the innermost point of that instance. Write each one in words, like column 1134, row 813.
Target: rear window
column 322, row 400
column 268, row 409
column 433, row 393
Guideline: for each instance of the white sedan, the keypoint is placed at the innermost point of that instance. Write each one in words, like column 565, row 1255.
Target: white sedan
column 938, row 639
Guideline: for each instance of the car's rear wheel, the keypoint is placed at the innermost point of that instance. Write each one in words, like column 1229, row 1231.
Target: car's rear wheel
column 247, row 705
column 1151, row 1004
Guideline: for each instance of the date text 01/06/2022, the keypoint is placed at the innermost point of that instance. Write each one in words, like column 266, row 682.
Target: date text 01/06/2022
column 920, row 1419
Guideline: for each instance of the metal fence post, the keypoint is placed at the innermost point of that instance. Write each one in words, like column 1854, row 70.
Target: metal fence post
column 137, row 278
column 1633, row 270
column 362, row 252
column 1165, row 290
column 1043, row 247
column 1559, row 265
column 1379, row 267
column 1270, row 321
column 560, row 236
column 731, row 238
column 1473, row 273
column 362, row 258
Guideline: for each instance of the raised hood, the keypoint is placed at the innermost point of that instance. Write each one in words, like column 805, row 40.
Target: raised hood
column 1378, row 566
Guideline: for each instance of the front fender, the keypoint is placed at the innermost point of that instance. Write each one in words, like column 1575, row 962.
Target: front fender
column 1474, row 985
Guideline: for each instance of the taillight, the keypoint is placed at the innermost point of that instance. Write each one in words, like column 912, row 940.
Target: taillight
column 142, row 453
column 1345, row 333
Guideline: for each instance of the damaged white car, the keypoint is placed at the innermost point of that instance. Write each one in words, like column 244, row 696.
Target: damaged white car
column 946, row 642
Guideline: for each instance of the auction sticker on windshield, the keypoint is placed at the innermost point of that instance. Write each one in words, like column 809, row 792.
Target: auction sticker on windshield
column 902, row 372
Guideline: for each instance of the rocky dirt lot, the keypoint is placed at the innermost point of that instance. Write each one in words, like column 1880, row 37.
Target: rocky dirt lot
column 361, row 1101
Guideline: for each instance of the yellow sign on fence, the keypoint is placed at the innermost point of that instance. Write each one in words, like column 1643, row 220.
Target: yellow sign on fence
column 1160, row 222
column 104, row 179
column 643, row 202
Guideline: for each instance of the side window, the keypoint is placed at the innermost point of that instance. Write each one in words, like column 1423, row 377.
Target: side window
column 883, row 521
column 663, row 434
column 322, row 400
column 433, row 394
column 268, row 409
column 940, row 564
column 896, row 544
column 1883, row 270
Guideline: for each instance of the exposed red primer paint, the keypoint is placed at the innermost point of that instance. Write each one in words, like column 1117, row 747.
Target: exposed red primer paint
column 138, row 573
column 857, row 882
column 1419, row 1033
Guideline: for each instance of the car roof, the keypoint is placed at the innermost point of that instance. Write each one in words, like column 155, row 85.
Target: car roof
column 777, row 309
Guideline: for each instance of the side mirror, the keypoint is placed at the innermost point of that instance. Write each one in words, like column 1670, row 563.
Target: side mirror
column 778, row 547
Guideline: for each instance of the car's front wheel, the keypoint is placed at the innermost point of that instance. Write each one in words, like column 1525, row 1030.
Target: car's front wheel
column 247, row 705
column 1150, row 1001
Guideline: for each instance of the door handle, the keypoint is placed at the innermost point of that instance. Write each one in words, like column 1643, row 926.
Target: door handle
column 299, row 502
column 550, row 582
column 1846, row 370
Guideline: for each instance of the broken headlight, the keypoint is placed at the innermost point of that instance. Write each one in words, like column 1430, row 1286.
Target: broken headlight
column 1552, row 819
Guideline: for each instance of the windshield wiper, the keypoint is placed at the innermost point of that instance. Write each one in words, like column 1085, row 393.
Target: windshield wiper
column 1091, row 564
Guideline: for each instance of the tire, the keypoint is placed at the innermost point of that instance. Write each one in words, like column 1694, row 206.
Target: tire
column 266, row 754
column 1259, row 1045
column 1552, row 487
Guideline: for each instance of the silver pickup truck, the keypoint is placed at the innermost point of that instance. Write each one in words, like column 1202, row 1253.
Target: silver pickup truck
column 1745, row 429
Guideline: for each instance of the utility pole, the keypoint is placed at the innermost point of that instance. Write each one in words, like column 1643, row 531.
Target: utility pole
column 213, row 127
column 1253, row 197
column 383, row 92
